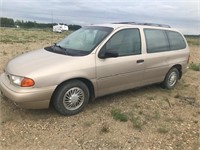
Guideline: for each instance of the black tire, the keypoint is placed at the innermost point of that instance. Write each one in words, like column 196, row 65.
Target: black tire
column 70, row 94
column 171, row 78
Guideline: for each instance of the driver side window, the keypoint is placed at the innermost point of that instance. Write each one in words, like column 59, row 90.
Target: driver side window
column 125, row 42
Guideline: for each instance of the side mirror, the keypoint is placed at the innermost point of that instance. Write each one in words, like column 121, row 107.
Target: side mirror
column 108, row 54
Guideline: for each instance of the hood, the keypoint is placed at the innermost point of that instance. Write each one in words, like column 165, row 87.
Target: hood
column 37, row 61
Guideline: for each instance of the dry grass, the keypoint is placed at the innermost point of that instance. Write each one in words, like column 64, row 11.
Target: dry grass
column 154, row 118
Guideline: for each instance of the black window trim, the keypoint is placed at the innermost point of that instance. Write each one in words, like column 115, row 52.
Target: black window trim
column 170, row 43
column 102, row 48
column 166, row 34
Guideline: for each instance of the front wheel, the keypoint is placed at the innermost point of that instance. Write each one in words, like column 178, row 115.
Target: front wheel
column 171, row 78
column 71, row 97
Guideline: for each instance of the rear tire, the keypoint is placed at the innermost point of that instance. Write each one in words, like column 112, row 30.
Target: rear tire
column 171, row 78
column 71, row 97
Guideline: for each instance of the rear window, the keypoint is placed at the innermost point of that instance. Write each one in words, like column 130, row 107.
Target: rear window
column 163, row 40
column 176, row 40
column 156, row 40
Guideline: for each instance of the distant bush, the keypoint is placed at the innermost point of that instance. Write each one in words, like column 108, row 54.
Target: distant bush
column 193, row 40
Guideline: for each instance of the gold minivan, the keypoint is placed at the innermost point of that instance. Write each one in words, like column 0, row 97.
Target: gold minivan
column 94, row 61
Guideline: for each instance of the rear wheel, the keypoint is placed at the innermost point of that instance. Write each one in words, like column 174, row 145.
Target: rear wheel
column 71, row 97
column 171, row 78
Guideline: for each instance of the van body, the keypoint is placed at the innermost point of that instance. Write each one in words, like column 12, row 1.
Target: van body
column 94, row 61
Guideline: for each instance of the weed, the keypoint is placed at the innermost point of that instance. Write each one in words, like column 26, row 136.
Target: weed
column 154, row 116
column 195, row 67
column 118, row 115
column 163, row 129
column 137, row 105
column 137, row 122
column 105, row 128
column 168, row 102
column 140, row 112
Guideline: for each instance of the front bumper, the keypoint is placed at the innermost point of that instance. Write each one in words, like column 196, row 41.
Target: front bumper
column 30, row 98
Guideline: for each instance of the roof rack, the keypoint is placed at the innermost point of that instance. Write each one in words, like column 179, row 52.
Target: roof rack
column 146, row 24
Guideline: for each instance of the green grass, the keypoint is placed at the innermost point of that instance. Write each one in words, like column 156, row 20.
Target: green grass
column 118, row 115
column 195, row 67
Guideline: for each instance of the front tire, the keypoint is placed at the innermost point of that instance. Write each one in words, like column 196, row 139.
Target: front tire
column 71, row 97
column 171, row 78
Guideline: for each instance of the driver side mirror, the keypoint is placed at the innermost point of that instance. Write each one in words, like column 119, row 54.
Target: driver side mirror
column 107, row 53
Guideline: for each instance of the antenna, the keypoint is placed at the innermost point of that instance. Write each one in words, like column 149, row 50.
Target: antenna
column 52, row 27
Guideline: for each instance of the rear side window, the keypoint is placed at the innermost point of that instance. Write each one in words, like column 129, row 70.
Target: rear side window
column 176, row 40
column 156, row 40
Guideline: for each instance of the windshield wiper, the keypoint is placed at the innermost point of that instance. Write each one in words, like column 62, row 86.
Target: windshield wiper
column 60, row 47
column 55, row 45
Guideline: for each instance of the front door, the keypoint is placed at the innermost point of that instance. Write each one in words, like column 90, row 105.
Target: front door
column 126, row 70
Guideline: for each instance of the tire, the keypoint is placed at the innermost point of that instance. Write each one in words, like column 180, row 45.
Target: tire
column 71, row 97
column 171, row 78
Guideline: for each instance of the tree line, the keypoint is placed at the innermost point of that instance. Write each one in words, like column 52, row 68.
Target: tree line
column 9, row 22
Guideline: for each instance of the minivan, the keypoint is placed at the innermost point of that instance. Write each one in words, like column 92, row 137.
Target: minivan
column 93, row 61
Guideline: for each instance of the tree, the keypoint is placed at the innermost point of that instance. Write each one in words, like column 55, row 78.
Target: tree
column 6, row 22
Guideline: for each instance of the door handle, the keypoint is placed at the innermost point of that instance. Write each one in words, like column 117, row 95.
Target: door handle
column 140, row 61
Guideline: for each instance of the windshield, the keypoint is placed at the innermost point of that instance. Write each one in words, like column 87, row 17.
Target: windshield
column 83, row 41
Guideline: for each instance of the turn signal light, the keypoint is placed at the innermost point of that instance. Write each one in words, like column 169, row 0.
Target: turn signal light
column 27, row 82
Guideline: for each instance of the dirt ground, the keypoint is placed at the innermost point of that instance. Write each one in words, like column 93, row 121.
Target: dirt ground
column 164, row 119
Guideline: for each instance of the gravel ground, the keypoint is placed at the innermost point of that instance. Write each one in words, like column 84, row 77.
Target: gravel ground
column 157, row 118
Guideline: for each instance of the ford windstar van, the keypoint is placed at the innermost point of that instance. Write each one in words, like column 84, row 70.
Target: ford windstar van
column 94, row 61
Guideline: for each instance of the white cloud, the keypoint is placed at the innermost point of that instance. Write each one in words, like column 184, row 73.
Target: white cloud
column 182, row 14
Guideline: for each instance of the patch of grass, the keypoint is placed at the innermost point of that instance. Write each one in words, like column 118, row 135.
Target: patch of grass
column 12, row 36
column 163, row 129
column 195, row 67
column 152, row 116
column 137, row 122
column 118, row 115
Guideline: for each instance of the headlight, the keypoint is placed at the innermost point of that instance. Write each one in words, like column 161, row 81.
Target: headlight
column 21, row 81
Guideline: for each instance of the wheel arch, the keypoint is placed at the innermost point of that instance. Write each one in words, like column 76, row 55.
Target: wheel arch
column 87, row 82
column 179, row 68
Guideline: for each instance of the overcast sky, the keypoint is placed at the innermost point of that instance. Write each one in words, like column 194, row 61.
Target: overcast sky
column 181, row 14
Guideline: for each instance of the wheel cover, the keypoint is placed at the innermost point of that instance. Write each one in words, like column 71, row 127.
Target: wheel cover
column 73, row 98
column 172, row 79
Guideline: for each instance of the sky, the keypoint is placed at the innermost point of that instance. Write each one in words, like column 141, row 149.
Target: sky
column 183, row 15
